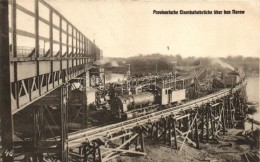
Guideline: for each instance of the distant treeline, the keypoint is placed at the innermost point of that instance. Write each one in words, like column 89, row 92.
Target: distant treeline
column 145, row 64
column 249, row 64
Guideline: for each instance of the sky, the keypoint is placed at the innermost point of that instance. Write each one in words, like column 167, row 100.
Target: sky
column 128, row 28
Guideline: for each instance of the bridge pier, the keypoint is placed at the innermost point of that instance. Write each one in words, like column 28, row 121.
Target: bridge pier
column 64, row 122
column 50, row 129
column 79, row 106
column 85, row 107
column 38, row 130
column 197, row 134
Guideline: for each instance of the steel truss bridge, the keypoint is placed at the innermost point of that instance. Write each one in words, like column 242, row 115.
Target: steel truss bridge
column 29, row 73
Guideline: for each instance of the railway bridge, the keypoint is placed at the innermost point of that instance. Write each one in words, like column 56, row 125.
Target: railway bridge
column 28, row 73
column 200, row 120
column 36, row 81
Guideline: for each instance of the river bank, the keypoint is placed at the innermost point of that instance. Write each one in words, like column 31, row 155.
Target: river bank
column 231, row 148
column 252, row 90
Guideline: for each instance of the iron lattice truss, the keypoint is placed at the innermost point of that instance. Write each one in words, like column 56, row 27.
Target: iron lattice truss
column 29, row 73
column 35, row 72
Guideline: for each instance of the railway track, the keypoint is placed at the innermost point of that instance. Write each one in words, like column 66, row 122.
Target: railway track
column 76, row 139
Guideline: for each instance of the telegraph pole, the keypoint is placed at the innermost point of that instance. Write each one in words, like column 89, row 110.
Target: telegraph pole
column 5, row 86
column 129, row 69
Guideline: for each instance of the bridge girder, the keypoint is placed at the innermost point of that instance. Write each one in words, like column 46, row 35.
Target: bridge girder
column 35, row 72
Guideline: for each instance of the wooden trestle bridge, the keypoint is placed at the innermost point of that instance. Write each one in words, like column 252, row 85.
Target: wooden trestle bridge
column 29, row 74
column 201, row 120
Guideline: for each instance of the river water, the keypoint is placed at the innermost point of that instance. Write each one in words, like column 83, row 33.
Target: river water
column 252, row 90
column 112, row 78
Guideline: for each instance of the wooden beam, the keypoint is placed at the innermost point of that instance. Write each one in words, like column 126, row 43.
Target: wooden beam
column 181, row 117
column 188, row 131
column 122, row 145
column 64, row 122
column 123, row 151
